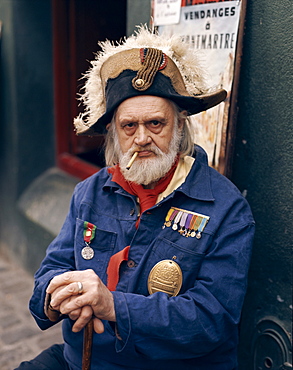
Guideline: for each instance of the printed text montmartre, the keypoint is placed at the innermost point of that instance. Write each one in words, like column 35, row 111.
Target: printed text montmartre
column 211, row 41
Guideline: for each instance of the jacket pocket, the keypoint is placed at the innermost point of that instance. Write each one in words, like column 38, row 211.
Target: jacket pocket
column 102, row 247
column 188, row 261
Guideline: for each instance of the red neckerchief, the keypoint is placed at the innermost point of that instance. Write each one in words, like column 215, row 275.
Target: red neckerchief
column 147, row 197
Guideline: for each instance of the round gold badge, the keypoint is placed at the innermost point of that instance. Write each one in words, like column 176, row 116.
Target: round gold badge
column 166, row 277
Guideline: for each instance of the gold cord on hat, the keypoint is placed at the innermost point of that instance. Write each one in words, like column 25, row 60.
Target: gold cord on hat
column 151, row 63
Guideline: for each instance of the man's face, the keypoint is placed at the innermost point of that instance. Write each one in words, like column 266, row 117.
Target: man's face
column 147, row 125
column 142, row 122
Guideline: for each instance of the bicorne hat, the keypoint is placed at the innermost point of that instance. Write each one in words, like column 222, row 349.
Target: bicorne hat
column 144, row 64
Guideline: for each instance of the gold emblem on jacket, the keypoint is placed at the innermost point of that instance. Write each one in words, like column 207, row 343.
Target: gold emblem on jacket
column 166, row 277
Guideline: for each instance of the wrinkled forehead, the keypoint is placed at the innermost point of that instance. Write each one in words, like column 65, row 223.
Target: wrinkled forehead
column 145, row 108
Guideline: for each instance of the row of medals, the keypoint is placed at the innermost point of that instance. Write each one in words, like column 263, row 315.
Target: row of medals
column 188, row 224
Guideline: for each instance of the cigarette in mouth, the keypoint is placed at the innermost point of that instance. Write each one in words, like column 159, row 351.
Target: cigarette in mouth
column 130, row 163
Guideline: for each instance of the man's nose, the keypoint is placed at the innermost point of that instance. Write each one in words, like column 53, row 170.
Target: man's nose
column 142, row 136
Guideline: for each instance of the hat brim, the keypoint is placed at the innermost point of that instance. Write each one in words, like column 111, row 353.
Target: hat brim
column 120, row 89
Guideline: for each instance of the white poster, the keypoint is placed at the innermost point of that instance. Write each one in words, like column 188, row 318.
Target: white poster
column 166, row 12
column 212, row 30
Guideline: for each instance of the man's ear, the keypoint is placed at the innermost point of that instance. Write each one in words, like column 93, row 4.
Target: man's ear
column 108, row 126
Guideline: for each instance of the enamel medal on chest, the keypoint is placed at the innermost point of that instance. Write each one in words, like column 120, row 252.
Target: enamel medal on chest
column 87, row 252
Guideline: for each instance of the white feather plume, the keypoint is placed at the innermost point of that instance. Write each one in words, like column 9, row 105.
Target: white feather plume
column 186, row 59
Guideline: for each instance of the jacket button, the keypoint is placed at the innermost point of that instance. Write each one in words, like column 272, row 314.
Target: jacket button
column 130, row 263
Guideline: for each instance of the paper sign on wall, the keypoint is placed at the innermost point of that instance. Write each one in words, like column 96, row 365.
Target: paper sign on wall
column 166, row 12
column 211, row 28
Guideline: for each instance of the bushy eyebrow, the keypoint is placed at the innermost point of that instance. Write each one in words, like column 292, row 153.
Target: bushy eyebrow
column 130, row 119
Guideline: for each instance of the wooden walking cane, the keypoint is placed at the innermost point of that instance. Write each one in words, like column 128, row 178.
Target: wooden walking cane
column 87, row 345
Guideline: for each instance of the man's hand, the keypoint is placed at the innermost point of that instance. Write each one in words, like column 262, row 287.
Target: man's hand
column 94, row 300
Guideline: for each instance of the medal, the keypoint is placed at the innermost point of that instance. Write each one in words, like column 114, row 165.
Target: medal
column 201, row 227
column 173, row 215
column 190, row 227
column 166, row 277
column 196, row 223
column 187, row 225
column 167, row 220
column 87, row 253
column 177, row 219
column 182, row 223
column 89, row 231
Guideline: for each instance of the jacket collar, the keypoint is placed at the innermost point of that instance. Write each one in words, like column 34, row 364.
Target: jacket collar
column 198, row 181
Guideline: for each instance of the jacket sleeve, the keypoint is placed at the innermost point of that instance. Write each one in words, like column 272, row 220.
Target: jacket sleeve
column 198, row 321
column 59, row 259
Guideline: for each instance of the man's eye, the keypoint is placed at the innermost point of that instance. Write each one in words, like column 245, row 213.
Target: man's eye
column 155, row 126
column 129, row 125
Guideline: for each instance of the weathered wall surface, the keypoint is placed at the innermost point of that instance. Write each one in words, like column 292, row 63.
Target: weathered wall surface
column 27, row 120
column 263, row 169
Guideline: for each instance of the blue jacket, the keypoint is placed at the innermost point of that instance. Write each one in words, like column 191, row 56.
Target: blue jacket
column 196, row 329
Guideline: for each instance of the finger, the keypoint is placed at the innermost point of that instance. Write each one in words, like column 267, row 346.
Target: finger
column 53, row 295
column 73, row 303
column 98, row 326
column 74, row 315
column 59, row 280
column 84, row 317
column 65, row 293
column 49, row 298
column 67, row 278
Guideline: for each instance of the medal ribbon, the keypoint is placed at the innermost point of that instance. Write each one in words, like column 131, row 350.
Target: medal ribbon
column 189, row 222
column 88, row 232
column 201, row 227
column 194, row 217
column 183, row 220
column 187, row 225
column 170, row 217
column 174, row 214
column 197, row 223
column 178, row 217
column 167, row 219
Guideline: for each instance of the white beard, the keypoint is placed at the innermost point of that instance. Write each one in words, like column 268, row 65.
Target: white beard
column 149, row 170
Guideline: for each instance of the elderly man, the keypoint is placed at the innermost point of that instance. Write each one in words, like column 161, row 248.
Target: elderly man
column 155, row 249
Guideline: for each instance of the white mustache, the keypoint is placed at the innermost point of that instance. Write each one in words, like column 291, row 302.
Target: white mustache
column 150, row 148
